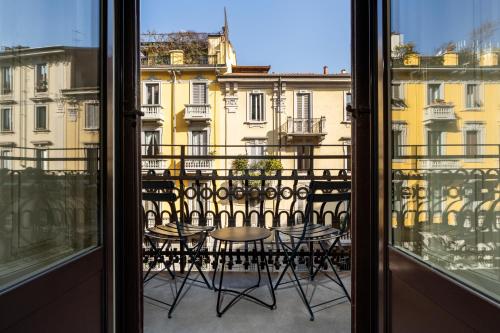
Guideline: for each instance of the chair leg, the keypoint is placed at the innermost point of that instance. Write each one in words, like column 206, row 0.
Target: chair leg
column 193, row 261
column 157, row 252
column 323, row 257
column 340, row 283
column 269, row 277
column 216, row 264
column 278, row 238
column 302, row 293
column 219, row 312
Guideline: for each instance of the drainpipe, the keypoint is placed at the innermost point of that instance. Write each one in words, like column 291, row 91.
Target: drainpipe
column 174, row 118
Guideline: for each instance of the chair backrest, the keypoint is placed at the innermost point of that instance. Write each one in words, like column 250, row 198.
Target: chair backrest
column 324, row 192
column 158, row 191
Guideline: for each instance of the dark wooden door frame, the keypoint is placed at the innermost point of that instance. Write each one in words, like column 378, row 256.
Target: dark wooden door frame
column 365, row 188
column 129, row 309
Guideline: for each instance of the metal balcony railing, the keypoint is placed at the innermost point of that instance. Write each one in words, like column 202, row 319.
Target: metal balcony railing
column 305, row 126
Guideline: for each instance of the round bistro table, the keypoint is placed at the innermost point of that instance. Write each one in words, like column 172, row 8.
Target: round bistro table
column 241, row 235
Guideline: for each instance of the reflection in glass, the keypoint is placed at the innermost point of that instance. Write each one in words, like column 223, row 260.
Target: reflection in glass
column 49, row 134
column 445, row 141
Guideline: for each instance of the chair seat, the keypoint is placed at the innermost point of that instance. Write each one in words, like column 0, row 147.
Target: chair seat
column 171, row 231
column 313, row 231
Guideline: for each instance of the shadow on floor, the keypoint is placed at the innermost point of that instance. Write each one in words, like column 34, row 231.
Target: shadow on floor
column 196, row 311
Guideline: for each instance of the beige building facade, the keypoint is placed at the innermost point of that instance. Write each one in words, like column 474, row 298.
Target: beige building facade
column 49, row 107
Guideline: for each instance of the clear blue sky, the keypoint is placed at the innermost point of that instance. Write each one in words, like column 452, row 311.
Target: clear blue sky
column 430, row 23
column 39, row 23
column 289, row 35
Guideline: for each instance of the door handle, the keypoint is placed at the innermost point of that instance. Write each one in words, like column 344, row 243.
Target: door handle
column 356, row 112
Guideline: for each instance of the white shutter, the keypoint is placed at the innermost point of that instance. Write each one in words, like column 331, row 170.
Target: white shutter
column 199, row 93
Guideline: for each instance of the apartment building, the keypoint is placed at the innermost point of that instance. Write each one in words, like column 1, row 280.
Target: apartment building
column 443, row 105
column 49, row 109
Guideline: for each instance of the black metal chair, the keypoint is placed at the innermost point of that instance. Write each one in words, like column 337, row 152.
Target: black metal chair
column 160, row 237
column 309, row 233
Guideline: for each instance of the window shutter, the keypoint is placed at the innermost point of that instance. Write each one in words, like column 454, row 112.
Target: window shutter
column 303, row 106
column 199, row 93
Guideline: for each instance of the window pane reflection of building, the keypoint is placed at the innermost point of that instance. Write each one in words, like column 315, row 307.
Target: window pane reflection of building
column 445, row 190
column 49, row 141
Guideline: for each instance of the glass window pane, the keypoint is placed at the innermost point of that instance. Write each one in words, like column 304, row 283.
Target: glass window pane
column 445, row 208
column 49, row 162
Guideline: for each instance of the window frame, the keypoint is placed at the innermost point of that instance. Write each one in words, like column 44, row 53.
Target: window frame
column 441, row 150
column 480, row 128
column 3, row 91
column 347, row 115
column 40, row 129
column 263, row 112
column 6, row 164
column 96, row 117
column 441, row 91
column 44, row 149
column 11, row 127
column 253, row 144
column 37, row 89
column 478, row 93
column 145, row 90
column 192, row 83
column 401, row 99
column 146, row 144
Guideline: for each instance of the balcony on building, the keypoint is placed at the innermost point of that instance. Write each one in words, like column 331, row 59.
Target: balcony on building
column 193, row 164
column 313, row 128
column 439, row 112
column 197, row 112
column 152, row 113
column 152, row 163
column 438, row 163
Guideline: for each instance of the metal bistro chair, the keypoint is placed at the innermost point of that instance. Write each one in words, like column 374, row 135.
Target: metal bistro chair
column 309, row 233
column 160, row 237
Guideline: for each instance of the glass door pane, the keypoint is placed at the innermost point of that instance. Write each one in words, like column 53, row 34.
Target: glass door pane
column 49, row 180
column 445, row 207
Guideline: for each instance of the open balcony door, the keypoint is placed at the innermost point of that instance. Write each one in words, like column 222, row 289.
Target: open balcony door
column 409, row 272
column 69, row 240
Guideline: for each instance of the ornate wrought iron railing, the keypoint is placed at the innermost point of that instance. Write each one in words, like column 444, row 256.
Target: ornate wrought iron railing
column 255, row 195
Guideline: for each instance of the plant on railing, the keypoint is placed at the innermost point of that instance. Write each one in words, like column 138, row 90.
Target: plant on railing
column 269, row 166
column 240, row 164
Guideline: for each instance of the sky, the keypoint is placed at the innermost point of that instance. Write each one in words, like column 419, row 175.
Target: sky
column 431, row 23
column 289, row 35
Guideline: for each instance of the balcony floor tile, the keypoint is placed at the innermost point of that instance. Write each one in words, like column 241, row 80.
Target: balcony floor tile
column 196, row 312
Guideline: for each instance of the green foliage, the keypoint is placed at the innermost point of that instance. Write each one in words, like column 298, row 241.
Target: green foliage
column 240, row 164
column 400, row 51
column 157, row 45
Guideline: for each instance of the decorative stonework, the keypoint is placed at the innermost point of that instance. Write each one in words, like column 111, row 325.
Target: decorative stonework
column 279, row 104
column 72, row 114
column 231, row 98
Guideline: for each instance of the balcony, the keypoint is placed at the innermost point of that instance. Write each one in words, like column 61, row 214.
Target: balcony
column 439, row 113
column 153, row 164
column 197, row 112
column 438, row 164
column 152, row 113
column 198, row 164
column 305, row 127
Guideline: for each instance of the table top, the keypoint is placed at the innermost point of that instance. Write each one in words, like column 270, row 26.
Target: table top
column 240, row 234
